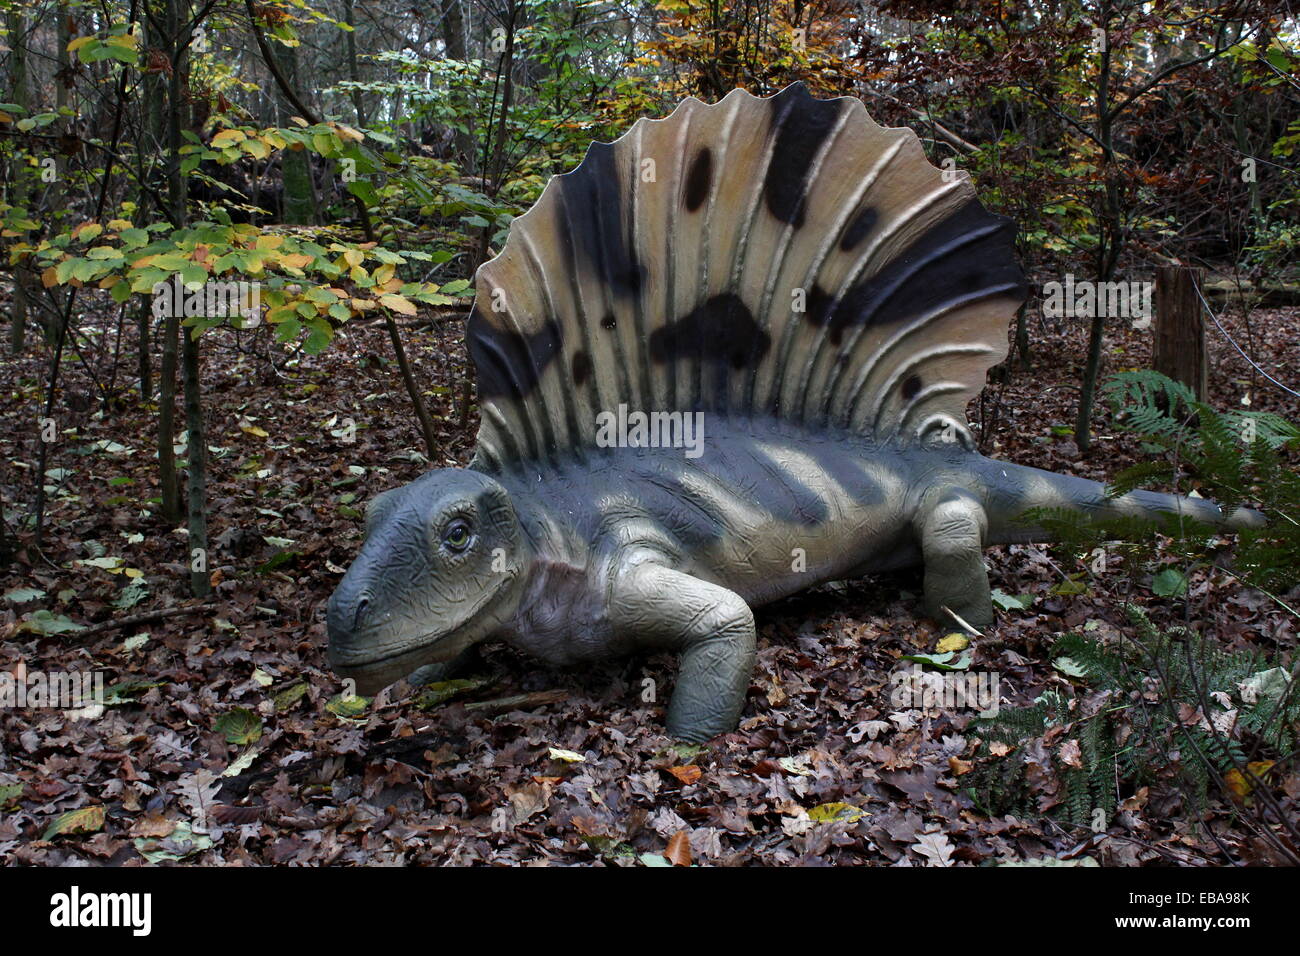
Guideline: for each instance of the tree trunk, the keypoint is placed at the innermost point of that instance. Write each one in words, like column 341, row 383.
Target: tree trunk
column 299, row 204
column 144, row 360
column 1179, row 350
column 354, row 74
column 453, row 36
column 171, row 491
column 412, row 389
column 1111, row 229
column 176, row 197
column 1022, row 336
column 16, row 25
column 200, row 582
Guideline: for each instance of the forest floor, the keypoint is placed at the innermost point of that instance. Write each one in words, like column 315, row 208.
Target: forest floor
column 226, row 741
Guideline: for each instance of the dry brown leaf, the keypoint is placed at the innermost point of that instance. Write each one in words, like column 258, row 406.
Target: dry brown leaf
column 678, row 852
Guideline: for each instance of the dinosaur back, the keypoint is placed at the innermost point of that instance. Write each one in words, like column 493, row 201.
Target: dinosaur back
column 780, row 256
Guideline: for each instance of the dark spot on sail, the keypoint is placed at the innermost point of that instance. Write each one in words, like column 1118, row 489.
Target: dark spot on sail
column 968, row 255
column 722, row 330
column 911, row 386
column 699, row 179
column 608, row 323
column 581, row 367
column 596, row 221
column 802, row 125
column 508, row 362
column 859, row 228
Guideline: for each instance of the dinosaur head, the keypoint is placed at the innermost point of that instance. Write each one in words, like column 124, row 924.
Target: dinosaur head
column 440, row 569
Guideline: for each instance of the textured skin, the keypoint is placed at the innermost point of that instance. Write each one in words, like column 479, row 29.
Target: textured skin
column 641, row 549
column 823, row 299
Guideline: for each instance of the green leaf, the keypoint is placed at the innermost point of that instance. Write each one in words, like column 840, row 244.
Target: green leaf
column 46, row 622
column 240, row 726
column 21, row 595
column 177, row 845
column 442, row 691
column 1070, row 667
column 85, row 820
column 288, row 697
column 1170, row 583
column 124, row 692
column 348, row 706
column 1074, row 584
column 1009, row 602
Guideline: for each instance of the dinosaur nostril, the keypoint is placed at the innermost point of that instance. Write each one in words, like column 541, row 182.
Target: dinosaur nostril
column 362, row 606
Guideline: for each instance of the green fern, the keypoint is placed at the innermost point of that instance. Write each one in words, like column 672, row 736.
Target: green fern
column 1148, row 688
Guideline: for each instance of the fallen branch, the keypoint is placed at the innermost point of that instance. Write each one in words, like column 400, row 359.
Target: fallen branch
column 503, row 705
column 148, row 617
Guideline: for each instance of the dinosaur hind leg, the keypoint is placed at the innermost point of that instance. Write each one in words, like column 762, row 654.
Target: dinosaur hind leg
column 713, row 630
column 952, row 532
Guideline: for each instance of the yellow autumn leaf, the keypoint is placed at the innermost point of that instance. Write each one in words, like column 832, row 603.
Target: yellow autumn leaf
column 362, row 305
column 835, row 812
column 384, row 273
column 78, row 43
column 117, row 225
column 358, row 274
column 347, row 132
column 568, row 756
column 85, row 820
column 954, row 643
column 354, row 257
column 398, row 304
column 133, row 573
column 257, row 148
column 228, row 137
column 269, row 241
column 1237, row 783
column 296, row 260
column 87, row 231
column 255, row 431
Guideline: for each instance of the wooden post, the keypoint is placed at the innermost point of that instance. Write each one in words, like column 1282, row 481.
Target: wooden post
column 1179, row 350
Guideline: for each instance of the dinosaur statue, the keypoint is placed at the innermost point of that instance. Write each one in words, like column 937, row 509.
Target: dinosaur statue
column 725, row 359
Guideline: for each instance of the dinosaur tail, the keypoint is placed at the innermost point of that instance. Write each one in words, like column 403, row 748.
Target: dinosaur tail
column 1011, row 490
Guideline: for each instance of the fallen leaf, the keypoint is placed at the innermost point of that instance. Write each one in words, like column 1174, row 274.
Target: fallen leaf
column 687, row 774
column 679, row 849
column 85, row 820
column 935, row 848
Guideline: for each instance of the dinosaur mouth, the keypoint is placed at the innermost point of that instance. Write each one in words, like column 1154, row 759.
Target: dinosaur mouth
column 372, row 674
column 373, row 665
column 374, row 670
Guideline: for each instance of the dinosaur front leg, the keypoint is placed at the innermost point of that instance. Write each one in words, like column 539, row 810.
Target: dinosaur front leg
column 952, row 532
column 713, row 630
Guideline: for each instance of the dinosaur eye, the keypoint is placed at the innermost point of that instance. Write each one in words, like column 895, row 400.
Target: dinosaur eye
column 456, row 535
